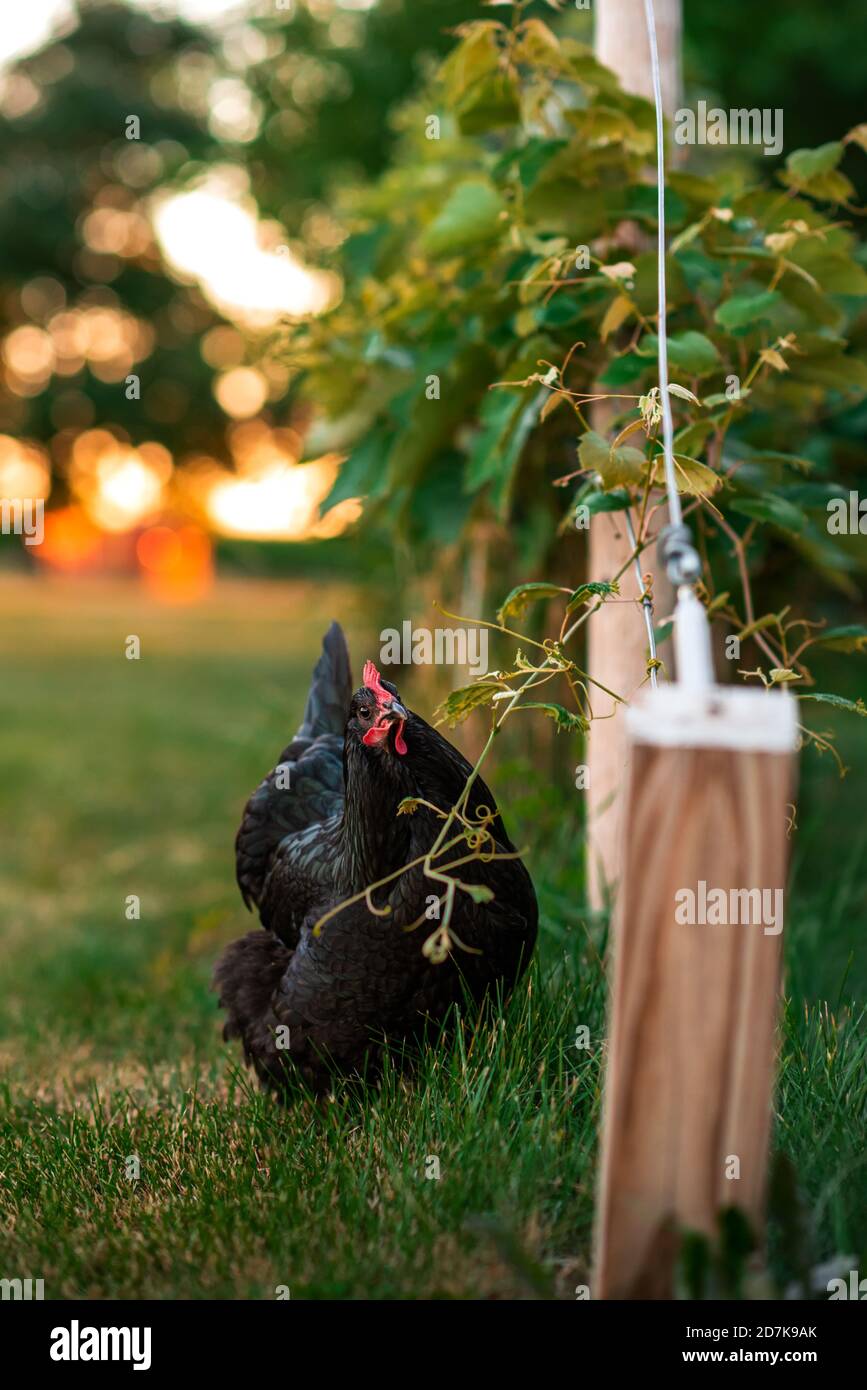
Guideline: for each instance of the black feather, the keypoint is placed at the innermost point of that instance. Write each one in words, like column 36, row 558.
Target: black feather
column 306, row 786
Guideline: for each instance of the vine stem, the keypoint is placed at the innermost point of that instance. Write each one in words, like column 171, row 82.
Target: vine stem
column 646, row 602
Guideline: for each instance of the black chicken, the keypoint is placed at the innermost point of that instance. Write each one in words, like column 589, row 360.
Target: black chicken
column 323, row 827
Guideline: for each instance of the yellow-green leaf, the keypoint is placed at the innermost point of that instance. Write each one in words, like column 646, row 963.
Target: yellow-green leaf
column 518, row 601
column 617, row 313
column 693, row 478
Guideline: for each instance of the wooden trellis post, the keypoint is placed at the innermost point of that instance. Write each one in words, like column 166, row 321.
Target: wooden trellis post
column 616, row 642
column 697, row 945
column 697, row 925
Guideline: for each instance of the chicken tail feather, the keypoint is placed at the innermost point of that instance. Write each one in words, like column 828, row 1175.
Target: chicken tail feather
column 330, row 689
column 311, row 768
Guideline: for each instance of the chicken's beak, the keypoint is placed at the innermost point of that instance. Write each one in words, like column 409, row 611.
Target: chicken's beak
column 395, row 711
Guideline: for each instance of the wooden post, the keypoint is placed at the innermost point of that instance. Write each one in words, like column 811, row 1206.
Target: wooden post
column 620, row 42
column 692, row 1032
column 616, row 636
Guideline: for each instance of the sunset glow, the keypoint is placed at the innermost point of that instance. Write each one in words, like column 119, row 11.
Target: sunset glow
column 281, row 503
column 212, row 235
column 176, row 562
column 119, row 486
column 24, row 470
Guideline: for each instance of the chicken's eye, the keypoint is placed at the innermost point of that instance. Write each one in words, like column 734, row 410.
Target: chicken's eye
column 364, row 712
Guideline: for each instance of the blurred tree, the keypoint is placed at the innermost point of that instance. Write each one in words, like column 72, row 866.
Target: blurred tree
column 299, row 103
column 77, row 241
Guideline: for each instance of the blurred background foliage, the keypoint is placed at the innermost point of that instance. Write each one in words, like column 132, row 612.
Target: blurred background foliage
column 281, row 167
column 270, row 115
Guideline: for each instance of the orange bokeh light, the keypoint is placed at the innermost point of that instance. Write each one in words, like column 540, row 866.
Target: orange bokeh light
column 72, row 543
column 241, row 392
column 119, row 486
column 177, row 563
column 24, row 469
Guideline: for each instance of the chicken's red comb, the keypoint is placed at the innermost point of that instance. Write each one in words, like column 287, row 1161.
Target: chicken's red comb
column 373, row 681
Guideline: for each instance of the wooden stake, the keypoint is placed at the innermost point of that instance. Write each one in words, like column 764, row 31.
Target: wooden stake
column 616, row 638
column 692, row 1036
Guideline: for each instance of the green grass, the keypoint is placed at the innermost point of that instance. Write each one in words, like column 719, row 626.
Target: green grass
column 127, row 778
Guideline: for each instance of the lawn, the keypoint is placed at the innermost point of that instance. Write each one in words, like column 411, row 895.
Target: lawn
column 125, row 778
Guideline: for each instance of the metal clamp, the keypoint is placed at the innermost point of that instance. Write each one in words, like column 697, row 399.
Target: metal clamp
column 678, row 555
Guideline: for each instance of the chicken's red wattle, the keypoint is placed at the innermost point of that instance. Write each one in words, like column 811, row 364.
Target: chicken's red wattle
column 379, row 732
